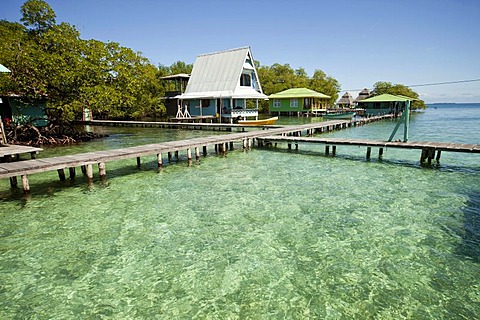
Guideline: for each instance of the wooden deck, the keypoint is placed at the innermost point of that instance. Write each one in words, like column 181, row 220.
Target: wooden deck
column 10, row 152
column 430, row 150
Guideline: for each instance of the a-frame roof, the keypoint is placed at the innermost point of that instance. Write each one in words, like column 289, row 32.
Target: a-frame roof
column 298, row 93
column 218, row 75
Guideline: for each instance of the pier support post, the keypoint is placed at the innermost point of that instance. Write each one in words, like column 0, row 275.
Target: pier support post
column 334, row 150
column 13, row 182
column 197, row 153
column 139, row 163
column 102, row 169
column 189, row 156
column 169, row 157
column 439, row 153
column 327, row 150
column 289, row 146
column 176, row 155
column 431, row 155
column 25, row 184
column 71, row 170
column 84, row 170
column 424, row 155
column 380, row 153
column 231, row 145
column 369, row 152
column 61, row 174
column 204, row 151
column 102, row 172
column 90, row 172
column 159, row 161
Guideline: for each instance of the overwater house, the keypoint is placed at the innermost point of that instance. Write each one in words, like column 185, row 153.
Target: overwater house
column 384, row 104
column 346, row 101
column 297, row 100
column 18, row 110
column 364, row 94
column 175, row 85
column 223, row 85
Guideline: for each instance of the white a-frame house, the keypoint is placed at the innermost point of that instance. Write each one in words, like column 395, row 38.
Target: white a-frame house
column 221, row 83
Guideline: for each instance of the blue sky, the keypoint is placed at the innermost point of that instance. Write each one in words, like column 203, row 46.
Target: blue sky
column 356, row 42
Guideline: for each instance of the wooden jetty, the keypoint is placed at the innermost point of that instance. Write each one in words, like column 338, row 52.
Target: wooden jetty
column 86, row 161
column 214, row 126
column 430, row 150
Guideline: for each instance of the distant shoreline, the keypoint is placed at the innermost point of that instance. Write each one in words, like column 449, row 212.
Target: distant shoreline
column 449, row 103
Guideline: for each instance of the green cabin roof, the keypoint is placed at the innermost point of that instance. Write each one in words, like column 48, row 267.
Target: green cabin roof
column 387, row 98
column 298, row 93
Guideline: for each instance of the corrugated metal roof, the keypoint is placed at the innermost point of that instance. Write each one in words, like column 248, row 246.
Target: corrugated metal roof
column 298, row 93
column 386, row 98
column 219, row 73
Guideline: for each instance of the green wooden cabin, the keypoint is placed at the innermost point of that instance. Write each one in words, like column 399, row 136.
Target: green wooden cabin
column 299, row 100
column 384, row 104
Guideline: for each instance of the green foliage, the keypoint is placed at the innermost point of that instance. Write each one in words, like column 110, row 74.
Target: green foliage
column 383, row 87
column 37, row 15
column 279, row 77
column 51, row 61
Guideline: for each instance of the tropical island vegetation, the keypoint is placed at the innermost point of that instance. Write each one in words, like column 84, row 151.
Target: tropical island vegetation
column 50, row 61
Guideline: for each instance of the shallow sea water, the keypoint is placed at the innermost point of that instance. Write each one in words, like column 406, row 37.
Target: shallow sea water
column 264, row 234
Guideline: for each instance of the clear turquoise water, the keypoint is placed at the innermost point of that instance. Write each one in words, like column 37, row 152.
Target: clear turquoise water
column 264, row 234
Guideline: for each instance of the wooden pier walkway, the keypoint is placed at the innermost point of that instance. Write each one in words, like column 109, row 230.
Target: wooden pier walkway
column 214, row 126
column 86, row 161
column 430, row 150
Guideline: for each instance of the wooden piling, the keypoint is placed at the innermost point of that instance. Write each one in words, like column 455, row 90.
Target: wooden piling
column 71, row 170
column 159, row 161
column 169, row 157
column 139, row 162
column 102, row 169
column 13, row 182
column 334, row 150
column 327, row 150
column 84, row 169
column 380, row 153
column 189, row 156
column 61, row 174
column 89, row 172
column 25, row 184
column 369, row 152
column 424, row 155
column 204, row 151
column 176, row 155
column 197, row 153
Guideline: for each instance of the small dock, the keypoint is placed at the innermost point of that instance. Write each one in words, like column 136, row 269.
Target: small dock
column 9, row 152
column 430, row 150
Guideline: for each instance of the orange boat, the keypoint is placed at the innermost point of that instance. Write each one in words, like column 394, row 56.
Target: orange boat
column 258, row 122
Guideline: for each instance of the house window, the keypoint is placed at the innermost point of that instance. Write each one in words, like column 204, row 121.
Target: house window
column 276, row 103
column 245, row 80
column 294, row 103
column 205, row 103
